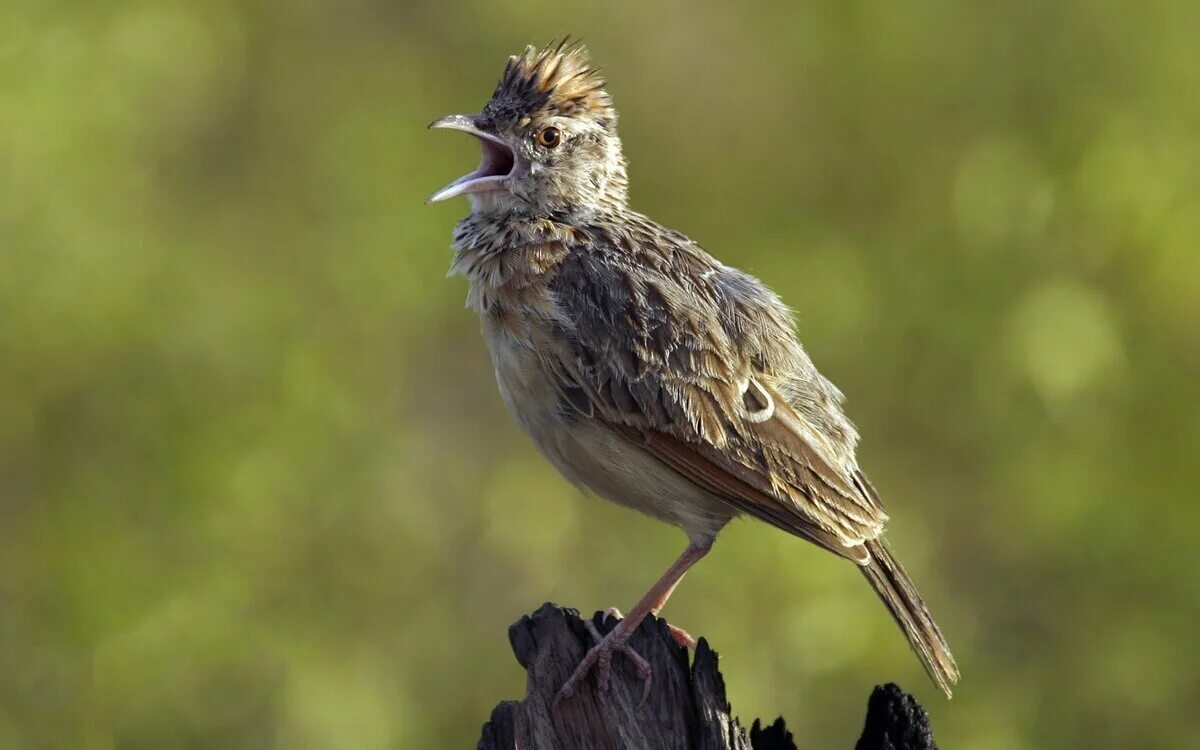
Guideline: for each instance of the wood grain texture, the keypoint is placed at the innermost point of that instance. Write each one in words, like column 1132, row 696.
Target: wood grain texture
column 687, row 707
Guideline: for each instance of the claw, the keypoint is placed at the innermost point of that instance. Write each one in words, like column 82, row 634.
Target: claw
column 600, row 656
column 591, row 628
column 682, row 637
column 678, row 634
column 645, row 687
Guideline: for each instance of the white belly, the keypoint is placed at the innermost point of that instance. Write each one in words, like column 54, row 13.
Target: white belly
column 593, row 456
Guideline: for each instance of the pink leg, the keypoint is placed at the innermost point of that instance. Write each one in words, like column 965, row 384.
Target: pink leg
column 601, row 654
column 681, row 636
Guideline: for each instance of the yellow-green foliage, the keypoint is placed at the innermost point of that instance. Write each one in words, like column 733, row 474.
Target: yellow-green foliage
column 257, row 488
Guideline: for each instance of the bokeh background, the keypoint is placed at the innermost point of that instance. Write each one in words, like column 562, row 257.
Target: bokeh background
column 257, row 488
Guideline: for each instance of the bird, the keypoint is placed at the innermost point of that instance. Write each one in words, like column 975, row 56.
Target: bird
column 644, row 369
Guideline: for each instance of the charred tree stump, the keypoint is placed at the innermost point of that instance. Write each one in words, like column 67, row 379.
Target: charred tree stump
column 686, row 708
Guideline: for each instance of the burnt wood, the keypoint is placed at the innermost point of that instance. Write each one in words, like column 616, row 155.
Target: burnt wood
column 687, row 707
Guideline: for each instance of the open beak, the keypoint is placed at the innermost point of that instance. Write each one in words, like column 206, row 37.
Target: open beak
column 499, row 162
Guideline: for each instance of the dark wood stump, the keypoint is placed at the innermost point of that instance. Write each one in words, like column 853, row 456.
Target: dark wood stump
column 687, row 707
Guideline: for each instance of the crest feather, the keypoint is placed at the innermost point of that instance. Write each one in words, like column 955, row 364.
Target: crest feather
column 556, row 78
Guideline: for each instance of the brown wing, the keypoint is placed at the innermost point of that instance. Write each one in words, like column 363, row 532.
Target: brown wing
column 680, row 363
column 772, row 472
column 742, row 495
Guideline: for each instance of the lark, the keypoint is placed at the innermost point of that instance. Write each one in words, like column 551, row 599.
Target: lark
column 644, row 369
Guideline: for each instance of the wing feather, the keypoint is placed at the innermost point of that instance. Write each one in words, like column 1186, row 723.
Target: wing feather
column 703, row 369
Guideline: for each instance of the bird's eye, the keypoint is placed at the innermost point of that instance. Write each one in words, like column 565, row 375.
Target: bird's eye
column 549, row 137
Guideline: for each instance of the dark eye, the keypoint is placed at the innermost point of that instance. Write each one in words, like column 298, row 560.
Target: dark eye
column 548, row 137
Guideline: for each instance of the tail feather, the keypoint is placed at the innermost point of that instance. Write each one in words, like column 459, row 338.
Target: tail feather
column 897, row 591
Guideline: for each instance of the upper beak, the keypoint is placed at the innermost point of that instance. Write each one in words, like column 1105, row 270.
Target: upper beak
column 498, row 164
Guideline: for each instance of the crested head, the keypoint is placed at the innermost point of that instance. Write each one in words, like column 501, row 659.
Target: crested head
column 554, row 81
column 549, row 139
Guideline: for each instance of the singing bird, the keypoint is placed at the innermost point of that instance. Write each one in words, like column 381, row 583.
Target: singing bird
column 644, row 369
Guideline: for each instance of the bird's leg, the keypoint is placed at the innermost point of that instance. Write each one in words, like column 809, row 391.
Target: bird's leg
column 600, row 655
column 681, row 636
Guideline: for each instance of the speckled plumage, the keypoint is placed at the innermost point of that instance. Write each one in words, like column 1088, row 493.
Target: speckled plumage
column 646, row 370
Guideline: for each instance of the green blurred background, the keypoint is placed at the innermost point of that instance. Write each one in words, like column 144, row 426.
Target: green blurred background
column 257, row 488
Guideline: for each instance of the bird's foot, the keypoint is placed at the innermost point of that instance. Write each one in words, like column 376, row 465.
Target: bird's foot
column 681, row 636
column 600, row 656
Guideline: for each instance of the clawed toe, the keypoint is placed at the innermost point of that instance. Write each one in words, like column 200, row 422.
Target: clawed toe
column 682, row 637
column 678, row 634
column 614, row 614
column 600, row 656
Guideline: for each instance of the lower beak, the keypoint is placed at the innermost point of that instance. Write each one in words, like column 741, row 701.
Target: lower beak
column 499, row 162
